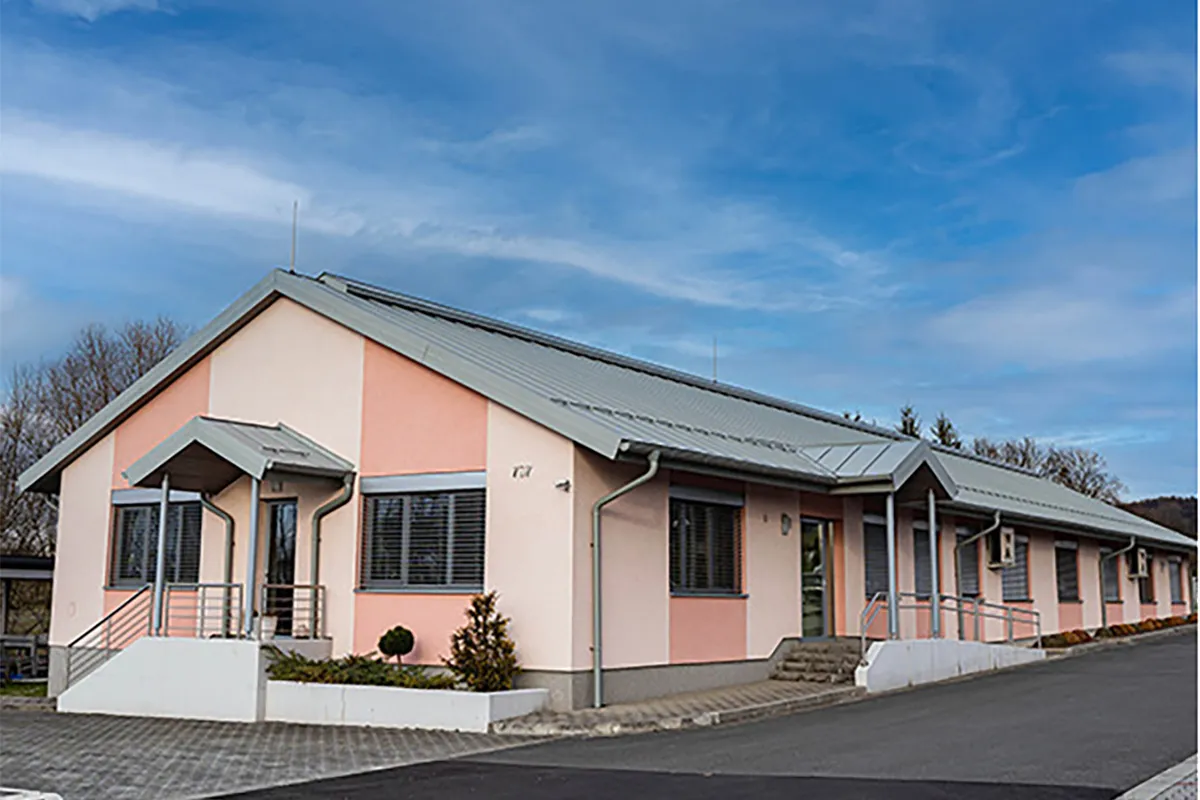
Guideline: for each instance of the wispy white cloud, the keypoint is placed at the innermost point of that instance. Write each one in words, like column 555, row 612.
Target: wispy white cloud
column 1156, row 67
column 1067, row 324
column 92, row 10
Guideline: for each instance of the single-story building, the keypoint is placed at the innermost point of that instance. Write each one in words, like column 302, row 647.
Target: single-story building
column 336, row 459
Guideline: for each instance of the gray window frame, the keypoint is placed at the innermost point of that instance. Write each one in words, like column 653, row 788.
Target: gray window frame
column 1175, row 573
column 678, row 576
column 922, row 561
column 970, row 564
column 178, row 539
column 1018, row 572
column 404, row 583
column 1072, row 548
column 1107, row 565
column 875, row 575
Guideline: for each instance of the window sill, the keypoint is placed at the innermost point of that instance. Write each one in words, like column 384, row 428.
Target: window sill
column 1071, row 600
column 1017, row 600
column 713, row 595
column 459, row 590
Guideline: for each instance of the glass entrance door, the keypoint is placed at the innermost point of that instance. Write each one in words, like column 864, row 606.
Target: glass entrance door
column 815, row 589
column 281, row 565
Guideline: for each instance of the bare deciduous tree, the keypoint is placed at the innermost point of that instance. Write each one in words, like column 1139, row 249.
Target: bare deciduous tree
column 49, row 400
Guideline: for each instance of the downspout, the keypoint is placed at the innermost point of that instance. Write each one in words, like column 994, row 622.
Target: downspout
column 1103, row 599
column 315, row 560
column 227, row 578
column 597, row 662
column 958, row 545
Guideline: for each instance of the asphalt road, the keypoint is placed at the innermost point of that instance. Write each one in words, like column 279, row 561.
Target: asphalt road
column 1085, row 727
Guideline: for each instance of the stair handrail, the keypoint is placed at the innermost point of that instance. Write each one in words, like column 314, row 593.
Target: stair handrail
column 102, row 649
column 869, row 612
column 110, row 614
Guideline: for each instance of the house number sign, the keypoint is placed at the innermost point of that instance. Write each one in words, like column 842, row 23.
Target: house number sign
column 522, row 471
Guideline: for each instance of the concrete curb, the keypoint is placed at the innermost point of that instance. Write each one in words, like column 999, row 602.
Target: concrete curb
column 703, row 719
column 1178, row 778
column 11, row 703
column 1120, row 641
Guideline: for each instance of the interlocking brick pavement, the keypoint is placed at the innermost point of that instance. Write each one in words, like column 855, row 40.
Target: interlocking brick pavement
column 133, row 758
column 690, row 709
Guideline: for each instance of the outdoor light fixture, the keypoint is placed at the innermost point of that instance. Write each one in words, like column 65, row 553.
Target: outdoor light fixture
column 785, row 524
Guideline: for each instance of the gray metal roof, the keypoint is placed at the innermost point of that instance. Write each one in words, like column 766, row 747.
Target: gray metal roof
column 613, row 404
column 207, row 454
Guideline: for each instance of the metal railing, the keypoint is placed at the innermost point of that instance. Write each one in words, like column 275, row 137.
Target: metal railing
column 115, row 631
column 976, row 607
column 203, row 610
column 292, row 610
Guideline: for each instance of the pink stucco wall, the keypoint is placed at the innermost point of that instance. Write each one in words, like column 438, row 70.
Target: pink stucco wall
column 415, row 420
column 183, row 399
column 1070, row 617
column 705, row 629
column 772, row 567
column 528, row 558
column 636, row 618
column 432, row 618
column 1089, row 582
column 294, row 366
column 852, row 588
column 80, row 564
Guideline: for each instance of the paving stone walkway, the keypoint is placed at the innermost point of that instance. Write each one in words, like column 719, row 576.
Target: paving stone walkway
column 1177, row 783
column 82, row 757
column 687, row 710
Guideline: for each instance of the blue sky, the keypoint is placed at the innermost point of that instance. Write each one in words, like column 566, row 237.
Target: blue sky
column 987, row 209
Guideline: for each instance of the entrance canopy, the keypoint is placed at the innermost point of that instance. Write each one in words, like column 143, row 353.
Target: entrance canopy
column 207, row 454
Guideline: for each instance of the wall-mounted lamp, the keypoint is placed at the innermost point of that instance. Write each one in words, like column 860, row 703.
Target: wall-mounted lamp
column 564, row 484
column 785, row 524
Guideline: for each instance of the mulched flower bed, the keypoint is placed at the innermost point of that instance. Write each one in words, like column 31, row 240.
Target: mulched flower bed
column 1072, row 638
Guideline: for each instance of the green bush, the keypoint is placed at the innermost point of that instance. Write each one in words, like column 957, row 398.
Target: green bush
column 396, row 643
column 352, row 670
column 482, row 655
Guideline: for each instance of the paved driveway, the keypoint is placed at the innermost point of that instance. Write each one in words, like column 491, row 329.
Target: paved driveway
column 84, row 757
column 1084, row 727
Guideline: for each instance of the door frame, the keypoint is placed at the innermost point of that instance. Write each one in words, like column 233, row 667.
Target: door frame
column 271, row 504
column 826, row 543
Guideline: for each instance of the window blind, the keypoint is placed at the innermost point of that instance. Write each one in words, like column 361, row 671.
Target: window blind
column 1066, row 570
column 135, row 544
column 705, row 548
column 1111, row 578
column 1175, row 572
column 424, row 540
column 968, row 577
column 1146, row 585
column 922, row 564
column 1014, row 580
column 875, row 558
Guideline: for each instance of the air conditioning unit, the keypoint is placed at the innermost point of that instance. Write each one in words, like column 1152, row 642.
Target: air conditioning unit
column 1139, row 564
column 1003, row 549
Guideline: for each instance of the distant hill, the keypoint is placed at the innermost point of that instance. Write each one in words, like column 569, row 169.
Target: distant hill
column 1176, row 513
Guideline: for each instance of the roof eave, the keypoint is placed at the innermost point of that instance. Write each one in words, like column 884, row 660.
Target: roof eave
column 44, row 475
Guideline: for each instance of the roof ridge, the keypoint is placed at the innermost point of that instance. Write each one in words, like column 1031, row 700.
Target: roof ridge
column 373, row 292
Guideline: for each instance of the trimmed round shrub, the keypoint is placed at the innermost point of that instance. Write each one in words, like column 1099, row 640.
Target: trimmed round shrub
column 396, row 643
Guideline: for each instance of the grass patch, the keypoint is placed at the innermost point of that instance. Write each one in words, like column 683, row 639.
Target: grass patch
column 23, row 690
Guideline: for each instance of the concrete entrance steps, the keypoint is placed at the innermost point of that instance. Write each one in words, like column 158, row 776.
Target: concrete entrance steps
column 829, row 661
column 688, row 710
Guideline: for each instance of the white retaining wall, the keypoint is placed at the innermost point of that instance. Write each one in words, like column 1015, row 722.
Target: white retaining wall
column 441, row 709
column 897, row 664
column 175, row 677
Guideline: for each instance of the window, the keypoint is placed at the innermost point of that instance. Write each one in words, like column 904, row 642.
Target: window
column 922, row 563
column 1066, row 570
column 1111, row 576
column 968, row 558
column 1146, row 585
column 1014, row 580
column 706, row 548
column 135, row 544
column 875, row 557
column 1175, row 572
column 424, row 540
